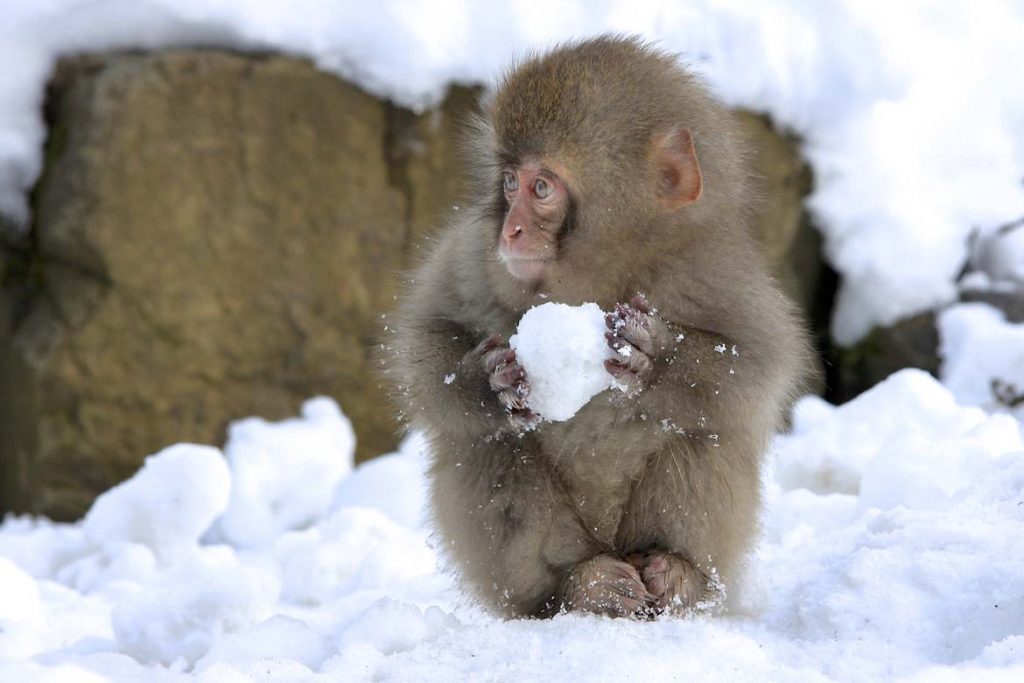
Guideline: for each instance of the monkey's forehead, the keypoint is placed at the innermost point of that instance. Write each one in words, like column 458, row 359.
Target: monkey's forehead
column 608, row 91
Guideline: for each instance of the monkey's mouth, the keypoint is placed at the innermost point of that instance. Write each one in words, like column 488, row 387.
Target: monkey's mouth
column 526, row 268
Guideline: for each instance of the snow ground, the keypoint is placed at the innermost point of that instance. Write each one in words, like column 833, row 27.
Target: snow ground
column 912, row 112
column 893, row 548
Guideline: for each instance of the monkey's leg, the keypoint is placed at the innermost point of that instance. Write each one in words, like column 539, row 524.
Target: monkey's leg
column 506, row 524
column 696, row 505
column 605, row 585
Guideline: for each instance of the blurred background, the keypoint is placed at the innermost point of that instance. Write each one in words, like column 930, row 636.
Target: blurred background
column 206, row 206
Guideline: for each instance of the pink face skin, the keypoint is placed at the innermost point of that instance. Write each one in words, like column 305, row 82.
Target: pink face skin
column 538, row 203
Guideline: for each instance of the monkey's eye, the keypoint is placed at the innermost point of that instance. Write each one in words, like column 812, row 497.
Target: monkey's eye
column 541, row 188
column 511, row 182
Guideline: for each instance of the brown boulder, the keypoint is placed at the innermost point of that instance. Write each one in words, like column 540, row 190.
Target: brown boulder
column 217, row 236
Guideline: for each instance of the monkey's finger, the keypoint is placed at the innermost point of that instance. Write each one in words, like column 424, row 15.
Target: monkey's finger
column 639, row 302
column 511, row 400
column 614, row 341
column 637, row 366
column 524, row 420
column 637, row 333
column 509, row 375
column 614, row 321
column 491, row 342
column 497, row 356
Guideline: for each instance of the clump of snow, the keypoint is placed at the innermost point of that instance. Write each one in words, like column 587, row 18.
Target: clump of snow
column 183, row 611
column 284, row 474
column 166, row 505
column 563, row 349
column 982, row 357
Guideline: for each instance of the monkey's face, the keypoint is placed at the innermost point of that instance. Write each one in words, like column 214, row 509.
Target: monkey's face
column 538, row 207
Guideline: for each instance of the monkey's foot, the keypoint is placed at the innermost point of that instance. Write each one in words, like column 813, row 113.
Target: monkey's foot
column 606, row 585
column 674, row 583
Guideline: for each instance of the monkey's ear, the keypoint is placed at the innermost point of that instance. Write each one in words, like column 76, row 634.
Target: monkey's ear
column 678, row 172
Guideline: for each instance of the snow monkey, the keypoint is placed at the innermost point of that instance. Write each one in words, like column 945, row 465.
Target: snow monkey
column 601, row 171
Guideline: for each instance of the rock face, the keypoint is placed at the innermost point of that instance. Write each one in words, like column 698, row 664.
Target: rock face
column 214, row 237
column 217, row 236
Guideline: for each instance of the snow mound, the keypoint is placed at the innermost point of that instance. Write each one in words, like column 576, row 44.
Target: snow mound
column 284, row 474
column 166, row 505
column 563, row 349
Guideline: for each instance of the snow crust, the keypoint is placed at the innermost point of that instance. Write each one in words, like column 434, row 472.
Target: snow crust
column 909, row 112
column 563, row 349
column 892, row 548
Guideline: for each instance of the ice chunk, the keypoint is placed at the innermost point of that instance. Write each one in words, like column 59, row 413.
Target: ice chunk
column 563, row 349
column 284, row 474
column 166, row 505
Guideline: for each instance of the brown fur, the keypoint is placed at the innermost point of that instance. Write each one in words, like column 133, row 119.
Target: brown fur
column 674, row 469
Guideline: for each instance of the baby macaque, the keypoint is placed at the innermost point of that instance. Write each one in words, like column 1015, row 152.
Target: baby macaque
column 601, row 172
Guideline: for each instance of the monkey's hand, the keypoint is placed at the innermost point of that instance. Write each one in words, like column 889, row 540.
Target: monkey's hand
column 508, row 381
column 637, row 336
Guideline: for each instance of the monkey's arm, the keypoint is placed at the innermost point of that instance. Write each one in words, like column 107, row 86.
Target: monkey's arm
column 444, row 386
column 689, row 380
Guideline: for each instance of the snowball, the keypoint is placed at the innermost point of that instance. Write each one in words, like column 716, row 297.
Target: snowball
column 563, row 349
column 284, row 473
column 279, row 637
column 187, row 608
column 166, row 505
